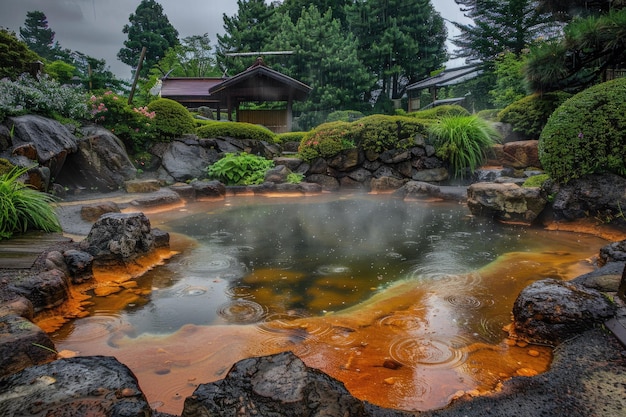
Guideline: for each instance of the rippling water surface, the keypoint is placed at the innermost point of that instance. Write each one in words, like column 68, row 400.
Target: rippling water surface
column 402, row 301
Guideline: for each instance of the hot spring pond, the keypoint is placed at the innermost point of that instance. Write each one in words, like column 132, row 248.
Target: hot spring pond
column 402, row 301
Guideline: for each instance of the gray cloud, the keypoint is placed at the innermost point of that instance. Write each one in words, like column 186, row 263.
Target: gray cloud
column 94, row 27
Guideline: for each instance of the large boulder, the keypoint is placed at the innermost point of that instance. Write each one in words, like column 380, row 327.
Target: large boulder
column 280, row 385
column 45, row 290
column 100, row 162
column 22, row 345
column 81, row 386
column 552, row 311
column 50, row 141
column 119, row 238
column 521, row 154
column 506, row 202
column 186, row 160
column 598, row 195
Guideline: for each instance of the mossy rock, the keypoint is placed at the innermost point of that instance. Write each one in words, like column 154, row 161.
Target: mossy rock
column 587, row 134
column 172, row 118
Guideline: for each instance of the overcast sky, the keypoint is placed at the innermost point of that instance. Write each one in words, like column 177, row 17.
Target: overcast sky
column 94, row 27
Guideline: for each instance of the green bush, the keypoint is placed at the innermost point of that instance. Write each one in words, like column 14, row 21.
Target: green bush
column 172, row 119
column 530, row 114
column 45, row 97
column 344, row 116
column 440, row 111
column 536, row 180
column 242, row 169
column 586, row 134
column 378, row 133
column 290, row 137
column 237, row 130
column 489, row 114
column 23, row 208
column 134, row 126
column 462, row 141
column 326, row 140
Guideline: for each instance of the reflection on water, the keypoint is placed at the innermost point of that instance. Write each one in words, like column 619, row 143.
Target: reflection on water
column 402, row 301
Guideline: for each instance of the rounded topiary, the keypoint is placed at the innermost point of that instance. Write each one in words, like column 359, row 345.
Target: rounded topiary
column 441, row 111
column 529, row 115
column 290, row 137
column 378, row 133
column 586, row 134
column 236, row 130
column 326, row 140
column 171, row 119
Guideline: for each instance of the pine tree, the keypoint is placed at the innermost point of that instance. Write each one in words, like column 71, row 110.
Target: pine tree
column 151, row 28
column 37, row 35
column 250, row 30
column 400, row 41
column 15, row 56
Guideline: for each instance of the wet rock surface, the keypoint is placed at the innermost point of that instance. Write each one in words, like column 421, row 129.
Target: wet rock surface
column 505, row 202
column 81, row 386
column 552, row 311
column 277, row 385
column 22, row 344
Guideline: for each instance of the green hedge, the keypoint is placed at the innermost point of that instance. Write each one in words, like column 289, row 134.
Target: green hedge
column 440, row 111
column 530, row 114
column 172, row 119
column 237, row 130
column 290, row 137
column 587, row 134
column 326, row 140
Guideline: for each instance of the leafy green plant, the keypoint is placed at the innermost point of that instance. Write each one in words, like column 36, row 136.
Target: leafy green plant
column 295, row 178
column 23, row 208
column 536, row 180
column 237, row 130
column 241, row 169
column 378, row 133
column 530, row 114
column 585, row 135
column 171, row 119
column 462, row 141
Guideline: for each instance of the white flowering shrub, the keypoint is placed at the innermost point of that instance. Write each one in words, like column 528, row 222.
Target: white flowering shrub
column 44, row 96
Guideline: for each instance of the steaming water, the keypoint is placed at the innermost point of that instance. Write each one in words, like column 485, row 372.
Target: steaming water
column 356, row 285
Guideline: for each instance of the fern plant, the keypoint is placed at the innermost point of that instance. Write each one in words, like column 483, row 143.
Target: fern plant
column 241, row 169
column 23, row 208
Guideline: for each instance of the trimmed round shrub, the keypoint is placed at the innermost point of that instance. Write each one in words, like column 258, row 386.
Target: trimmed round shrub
column 236, row 130
column 378, row 133
column 290, row 137
column 587, row 134
column 172, row 119
column 529, row 115
column 326, row 140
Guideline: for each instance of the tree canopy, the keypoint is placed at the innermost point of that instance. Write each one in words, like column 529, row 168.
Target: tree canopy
column 37, row 35
column 149, row 27
column 15, row 56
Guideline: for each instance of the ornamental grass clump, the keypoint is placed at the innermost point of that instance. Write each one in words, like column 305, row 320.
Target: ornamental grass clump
column 241, row 169
column 23, row 208
column 463, row 142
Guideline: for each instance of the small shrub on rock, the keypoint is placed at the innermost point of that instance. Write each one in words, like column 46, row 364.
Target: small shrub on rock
column 236, row 130
column 171, row 119
column 242, row 169
column 326, row 140
column 530, row 114
column 587, row 134
column 440, row 111
column 378, row 133
column 290, row 137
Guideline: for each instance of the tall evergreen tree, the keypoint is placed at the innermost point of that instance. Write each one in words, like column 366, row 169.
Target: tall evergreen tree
column 567, row 9
column 37, row 35
column 250, row 30
column 294, row 8
column 151, row 28
column 401, row 41
column 500, row 26
column 325, row 58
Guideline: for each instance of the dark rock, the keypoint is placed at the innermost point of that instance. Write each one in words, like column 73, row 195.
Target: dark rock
column 327, row 182
column 606, row 278
column 505, row 202
column 430, row 175
column 345, row 160
column 160, row 198
column 119, row 238
column 387, row 171
column 277, row 385
column 278, row 174
column 92, row 212
column 184, row 161
column 79, row 265
column 22, row 345
column 81, row 386
column 265, row 188
column 291, row 163
column 318, row 166
column 405, row 168
column 361, row 175
column 348, row 182
column 52, row 140
column 595, row 195
column 288, row 188
column 552, row 311
column 613, row 252
column 417, row 190
column 45, row 290
column 142, row 186
column 161, row 238
column 395, row 156
column 427, row 162
column 185, row 191
column 209, row 189
column 310, row 188
column 19, row 306
column 386, row 184
column 55, row 260
column 26, row 150
column 100, row 162
column 39, row 178
column 291, row 146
